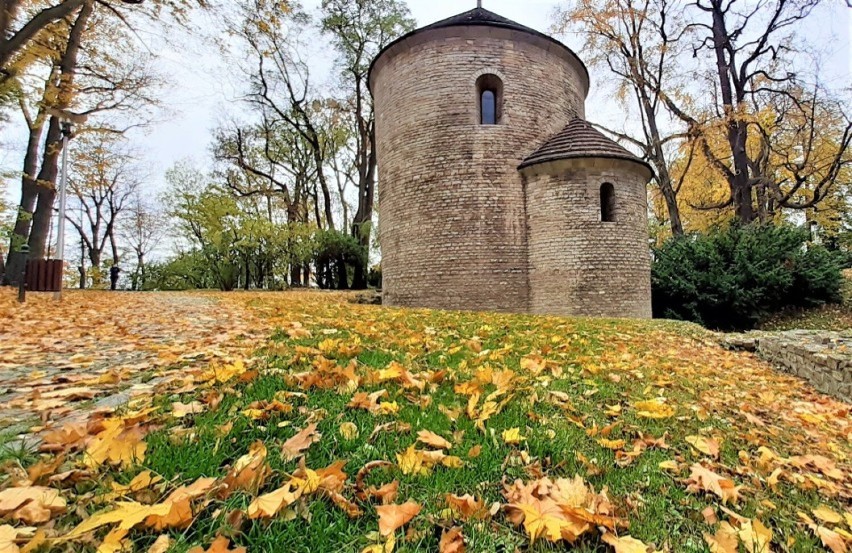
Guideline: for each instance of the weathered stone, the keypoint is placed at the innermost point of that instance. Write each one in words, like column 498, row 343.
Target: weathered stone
column 461, row 226
column 822, row 358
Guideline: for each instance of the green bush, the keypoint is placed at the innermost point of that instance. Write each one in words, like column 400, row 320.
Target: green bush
column 734, row 277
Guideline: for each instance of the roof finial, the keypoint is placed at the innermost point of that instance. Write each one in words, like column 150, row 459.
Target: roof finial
column 478, row 3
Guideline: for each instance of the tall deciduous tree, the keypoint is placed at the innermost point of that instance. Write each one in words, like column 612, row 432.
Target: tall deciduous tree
column 22, row 22
column 637, row 40
column 748, row 57
column 142, row 229
column 360, row 29
column 103, row 179
column 84, row 81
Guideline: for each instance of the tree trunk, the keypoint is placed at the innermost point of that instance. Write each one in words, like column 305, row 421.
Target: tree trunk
column 29, row 194
column 53, row 146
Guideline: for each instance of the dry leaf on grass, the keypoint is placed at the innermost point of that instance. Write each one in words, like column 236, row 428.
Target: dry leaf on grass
column 220, row 545
column 625, row 544
column 294, row 447
column 431, row 439
column 452, row 541
column 392, row 517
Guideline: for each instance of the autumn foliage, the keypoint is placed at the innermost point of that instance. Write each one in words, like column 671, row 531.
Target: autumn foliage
column 304, row 422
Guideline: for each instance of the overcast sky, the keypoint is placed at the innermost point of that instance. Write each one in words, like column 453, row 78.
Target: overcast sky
column 203, row 89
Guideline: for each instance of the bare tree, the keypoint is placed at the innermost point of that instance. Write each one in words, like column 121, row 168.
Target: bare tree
column 143, row 227
column 638, row 41
column 750, row 49
column 359, row 31
column 103, row 181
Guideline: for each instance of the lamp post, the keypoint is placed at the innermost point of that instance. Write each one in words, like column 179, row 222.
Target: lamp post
column 67, row 131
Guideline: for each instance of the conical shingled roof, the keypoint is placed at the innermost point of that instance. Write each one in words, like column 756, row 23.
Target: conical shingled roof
column 480, row 16
column 579, row 139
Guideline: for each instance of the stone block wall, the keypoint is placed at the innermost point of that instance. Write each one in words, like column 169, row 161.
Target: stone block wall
column 578, row 264
column 451, row 201
column 822, row 358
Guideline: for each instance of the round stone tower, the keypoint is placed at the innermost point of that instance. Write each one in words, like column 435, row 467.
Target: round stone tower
column 482, row 205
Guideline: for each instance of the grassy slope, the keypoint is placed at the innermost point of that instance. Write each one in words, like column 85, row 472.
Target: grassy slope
column 604, row 364
column 605, row 367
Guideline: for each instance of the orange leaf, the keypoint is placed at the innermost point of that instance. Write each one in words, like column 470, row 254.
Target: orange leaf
column 452, row 541
column 433, row 440
column 219, row 545
column 392, row 517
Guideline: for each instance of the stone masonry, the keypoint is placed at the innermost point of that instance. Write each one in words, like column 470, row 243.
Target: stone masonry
column 461, row 226
column 822, row 358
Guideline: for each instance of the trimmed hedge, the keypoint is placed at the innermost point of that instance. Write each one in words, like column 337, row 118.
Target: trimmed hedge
column 735, row 276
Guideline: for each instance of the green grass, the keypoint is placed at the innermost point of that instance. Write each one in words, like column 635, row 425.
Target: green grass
column 603, row 363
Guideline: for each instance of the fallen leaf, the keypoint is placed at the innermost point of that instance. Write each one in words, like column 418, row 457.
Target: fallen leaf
column 392, row 517
column 268, row 505
column 8, row 536
column 220, row 545
column 348, row 431
column 466, row 506
column 512, row 436
column 431, row 439
column 625, row 544
column 31, row 504
column 181, row 410
column 724, row 541
column 703, row 479
column 294, row 447
column 128, row 514
column 452, row 541
column 707, row 446
column 654, row 409
column 755, row 537
column 825, row 514
column 161, row 544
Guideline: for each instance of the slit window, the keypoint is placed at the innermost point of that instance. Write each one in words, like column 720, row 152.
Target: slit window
column 489, row 96
column 607, row 203
column 489, row 107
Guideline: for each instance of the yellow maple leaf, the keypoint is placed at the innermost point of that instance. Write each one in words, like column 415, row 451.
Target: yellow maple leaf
column 755, row 536
column 825, row 514
column 116, row 445
column 270, row 504
column 707, row 446
column 411, row 462
column 542, row 518
column 625, row 544
column 512, row 436
column 8, row 536
column 113, row 541
column 126, row 513
column 724, row 541
column 654, row 409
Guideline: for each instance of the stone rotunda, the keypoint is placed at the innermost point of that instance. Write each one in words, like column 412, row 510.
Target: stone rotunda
column 495, row 193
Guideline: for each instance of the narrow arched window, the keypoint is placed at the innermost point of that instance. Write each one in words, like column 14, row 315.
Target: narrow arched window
column 489, row 95
column 489, row 107
column 607, row 203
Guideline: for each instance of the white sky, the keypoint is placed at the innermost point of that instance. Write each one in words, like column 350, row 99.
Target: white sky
column 203, row 88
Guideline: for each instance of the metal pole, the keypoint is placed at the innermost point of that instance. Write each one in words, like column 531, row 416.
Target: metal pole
column 63, row 183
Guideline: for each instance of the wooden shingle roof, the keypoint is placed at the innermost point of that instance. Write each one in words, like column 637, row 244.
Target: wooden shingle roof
column 579, row 139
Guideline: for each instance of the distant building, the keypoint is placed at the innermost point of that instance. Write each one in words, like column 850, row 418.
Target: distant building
column 495, row 192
